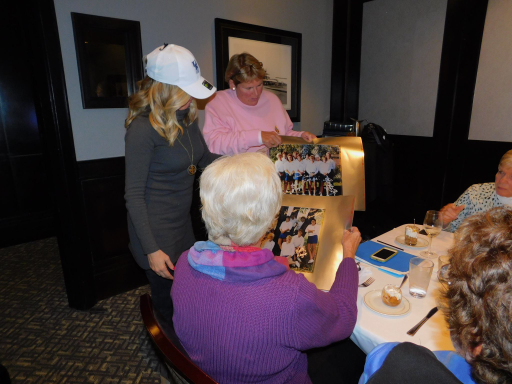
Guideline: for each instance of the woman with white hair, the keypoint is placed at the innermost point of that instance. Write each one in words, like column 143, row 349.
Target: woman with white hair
column 163, row 148
column 481, row 197
column 234, row 302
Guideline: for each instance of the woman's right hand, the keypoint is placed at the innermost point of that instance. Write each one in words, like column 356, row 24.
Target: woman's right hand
column 351, row 240
column 159, row 262
column 450, row 212
column 270, row 139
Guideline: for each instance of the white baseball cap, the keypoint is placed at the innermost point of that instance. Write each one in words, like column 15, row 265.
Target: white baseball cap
column 172, row 64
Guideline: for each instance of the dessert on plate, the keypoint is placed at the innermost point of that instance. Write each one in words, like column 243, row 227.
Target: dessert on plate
column 391, row 295
column 411, row 234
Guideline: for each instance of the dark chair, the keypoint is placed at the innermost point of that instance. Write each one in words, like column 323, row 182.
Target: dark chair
column 182, row 369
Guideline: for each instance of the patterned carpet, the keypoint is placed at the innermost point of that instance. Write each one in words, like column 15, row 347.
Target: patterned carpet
column 42, row 340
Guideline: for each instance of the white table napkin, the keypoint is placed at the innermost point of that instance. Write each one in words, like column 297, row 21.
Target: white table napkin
column 364, row 273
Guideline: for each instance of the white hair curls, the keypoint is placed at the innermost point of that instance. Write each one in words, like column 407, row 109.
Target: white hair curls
column 240, row 195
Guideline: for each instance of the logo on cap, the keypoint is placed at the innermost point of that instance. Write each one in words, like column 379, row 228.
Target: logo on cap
column 194, row 63
column 207, row 85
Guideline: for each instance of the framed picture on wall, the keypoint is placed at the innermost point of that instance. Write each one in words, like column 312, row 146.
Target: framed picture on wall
column 279, row 51
column 109, row 56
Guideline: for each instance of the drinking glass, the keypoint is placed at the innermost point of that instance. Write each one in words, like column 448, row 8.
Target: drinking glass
column 420, row 271
column 432, row 224
column 443, row 266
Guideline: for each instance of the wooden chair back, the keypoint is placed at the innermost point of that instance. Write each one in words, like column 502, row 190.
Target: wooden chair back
column 166, row 341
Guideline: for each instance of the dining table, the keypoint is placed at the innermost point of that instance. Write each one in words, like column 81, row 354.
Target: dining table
column 374, row 328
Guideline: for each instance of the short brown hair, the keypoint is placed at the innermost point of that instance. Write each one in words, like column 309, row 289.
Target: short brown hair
column 243, row 68
column 478, row 298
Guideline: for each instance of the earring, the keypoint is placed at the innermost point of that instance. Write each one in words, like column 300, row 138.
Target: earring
column 233, row 88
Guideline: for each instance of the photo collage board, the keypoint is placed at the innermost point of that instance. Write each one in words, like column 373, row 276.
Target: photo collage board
column 323, row 183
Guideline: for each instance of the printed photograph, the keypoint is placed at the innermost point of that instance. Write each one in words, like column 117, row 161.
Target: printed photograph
column 308, row 169
column 295, row 234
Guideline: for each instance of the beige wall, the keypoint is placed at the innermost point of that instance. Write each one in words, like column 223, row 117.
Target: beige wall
column 99, row 133
column 400, row 61
column 491, row 118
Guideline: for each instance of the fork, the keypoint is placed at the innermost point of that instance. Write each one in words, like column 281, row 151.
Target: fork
column 367, row 283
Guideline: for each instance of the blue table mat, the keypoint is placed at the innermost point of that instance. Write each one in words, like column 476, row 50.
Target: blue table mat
column 399, row 262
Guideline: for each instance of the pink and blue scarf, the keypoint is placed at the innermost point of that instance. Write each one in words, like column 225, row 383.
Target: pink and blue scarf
column 234, row 263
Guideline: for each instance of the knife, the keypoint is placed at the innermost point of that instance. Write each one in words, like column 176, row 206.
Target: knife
column 413, row 330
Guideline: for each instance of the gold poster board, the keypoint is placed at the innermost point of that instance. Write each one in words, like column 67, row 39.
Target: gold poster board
column 347, row 152
column 339, row 212
column 323, row 183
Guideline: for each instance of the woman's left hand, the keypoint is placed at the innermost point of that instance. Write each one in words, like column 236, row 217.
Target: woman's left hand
column 308, row 136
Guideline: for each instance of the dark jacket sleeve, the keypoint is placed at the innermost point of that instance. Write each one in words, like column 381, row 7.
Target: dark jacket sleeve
column 138, row 153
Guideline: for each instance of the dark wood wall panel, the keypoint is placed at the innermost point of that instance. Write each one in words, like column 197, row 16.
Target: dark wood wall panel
column 30, row 182
column 8, row 205
column 106, row 218
column 405, row 193
column 26, row 207
column 346, row 59
column 462, row 40
column 102, row 186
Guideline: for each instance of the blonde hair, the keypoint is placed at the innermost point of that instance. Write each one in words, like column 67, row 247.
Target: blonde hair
column 240, row 195
column 244, row 68
column 506, row 159
column 163, row 101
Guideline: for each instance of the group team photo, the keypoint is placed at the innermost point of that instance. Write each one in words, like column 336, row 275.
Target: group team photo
column 295, row 234
column 309, row 169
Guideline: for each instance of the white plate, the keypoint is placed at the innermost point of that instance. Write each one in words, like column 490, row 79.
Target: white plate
column 373, row 301
column 422, row 243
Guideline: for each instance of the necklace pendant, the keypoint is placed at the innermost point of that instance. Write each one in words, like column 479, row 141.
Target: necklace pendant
column 192, row 169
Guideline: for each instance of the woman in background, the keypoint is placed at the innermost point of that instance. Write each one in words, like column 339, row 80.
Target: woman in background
column 323, row 170
column 163, row 148
column 312, row 170
column 289, row 168
column 481, row 197
column 285, row 229
column 246, row 117
column 313, row 230
column 268, row 242
column 279, row 164
column 300, row 168
column 288, row 250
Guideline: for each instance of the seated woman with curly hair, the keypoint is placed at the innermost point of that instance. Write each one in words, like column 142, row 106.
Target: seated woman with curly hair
column 477, row 306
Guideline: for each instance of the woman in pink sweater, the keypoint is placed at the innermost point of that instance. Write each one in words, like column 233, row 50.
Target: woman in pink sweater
column 245, row 117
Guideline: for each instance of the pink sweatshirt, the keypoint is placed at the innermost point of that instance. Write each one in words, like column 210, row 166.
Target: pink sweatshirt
column 232, row 127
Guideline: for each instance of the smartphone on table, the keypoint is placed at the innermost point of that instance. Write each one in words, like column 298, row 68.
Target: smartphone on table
column 384, row 254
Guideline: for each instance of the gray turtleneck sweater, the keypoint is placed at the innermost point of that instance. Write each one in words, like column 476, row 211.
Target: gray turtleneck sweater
column 158, row 187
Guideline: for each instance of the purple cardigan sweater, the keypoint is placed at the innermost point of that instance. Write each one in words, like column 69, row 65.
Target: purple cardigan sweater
column 257, row 331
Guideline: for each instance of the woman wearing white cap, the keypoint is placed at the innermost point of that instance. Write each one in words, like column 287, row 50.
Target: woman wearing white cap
column 163, row 148
column 245, row 117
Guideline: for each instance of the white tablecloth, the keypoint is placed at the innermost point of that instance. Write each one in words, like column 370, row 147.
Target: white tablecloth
column 373, row 328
